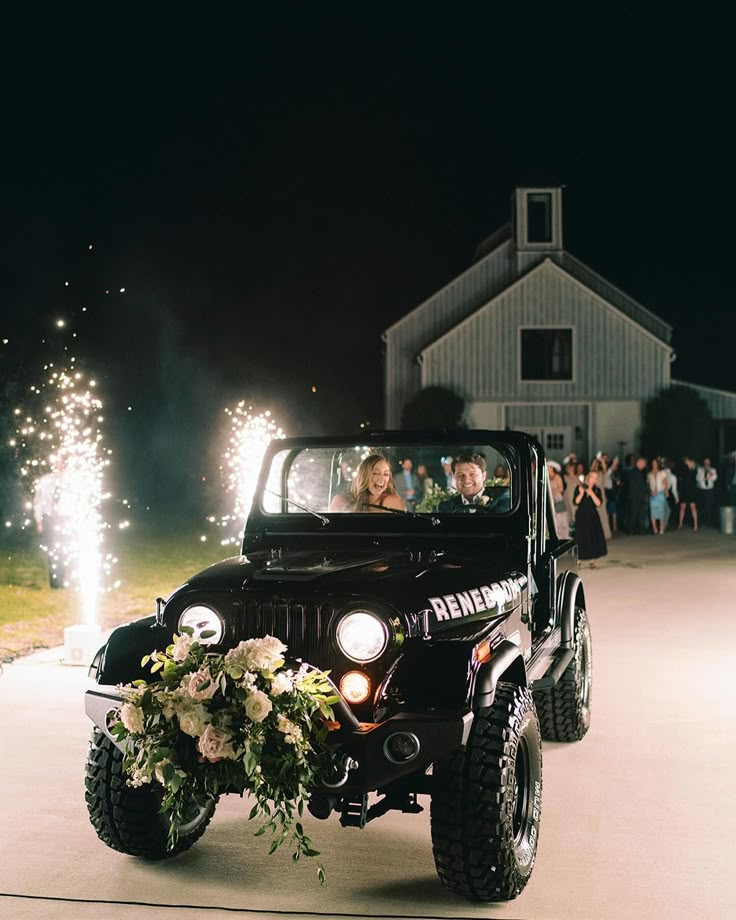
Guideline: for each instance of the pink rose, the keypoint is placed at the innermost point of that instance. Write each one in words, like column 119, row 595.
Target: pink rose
column 181, row 647
column 214, row 745
column 195, row 682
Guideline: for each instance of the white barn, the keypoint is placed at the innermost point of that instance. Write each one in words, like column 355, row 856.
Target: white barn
column 535, row 340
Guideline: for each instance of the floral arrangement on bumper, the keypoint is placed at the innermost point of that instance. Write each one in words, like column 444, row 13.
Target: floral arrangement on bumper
column 238, row 722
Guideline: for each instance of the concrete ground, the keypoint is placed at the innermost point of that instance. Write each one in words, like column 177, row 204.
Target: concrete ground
column 637, row 818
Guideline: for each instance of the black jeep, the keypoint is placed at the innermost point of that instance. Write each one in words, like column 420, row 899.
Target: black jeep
column 457, row 638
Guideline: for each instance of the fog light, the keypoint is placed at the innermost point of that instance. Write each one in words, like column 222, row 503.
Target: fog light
column 355, row 687
column 401, row 747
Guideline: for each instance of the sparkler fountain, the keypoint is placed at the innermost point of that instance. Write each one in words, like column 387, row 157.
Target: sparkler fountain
column 64, row 456
column 250, row 435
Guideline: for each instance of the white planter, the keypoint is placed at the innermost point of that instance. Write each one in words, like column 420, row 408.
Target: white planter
column 81, row 642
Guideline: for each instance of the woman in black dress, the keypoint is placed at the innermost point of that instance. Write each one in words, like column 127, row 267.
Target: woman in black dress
column 588, row 529
column 686, row 486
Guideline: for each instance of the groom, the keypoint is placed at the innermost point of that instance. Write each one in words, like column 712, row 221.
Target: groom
column 470, row 477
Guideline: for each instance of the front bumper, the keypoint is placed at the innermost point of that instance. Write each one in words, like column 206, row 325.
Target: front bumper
column 368, row 749
column 430, row 736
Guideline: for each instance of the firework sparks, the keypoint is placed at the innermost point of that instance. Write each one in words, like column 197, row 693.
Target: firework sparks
column 250, row 435
column 64, row 459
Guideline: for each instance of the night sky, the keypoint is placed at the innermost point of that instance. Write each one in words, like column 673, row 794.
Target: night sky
column 274, row 189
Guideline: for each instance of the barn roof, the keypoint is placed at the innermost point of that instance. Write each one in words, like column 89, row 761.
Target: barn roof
column 549, row 262
column 495, row 248
column 607, row 291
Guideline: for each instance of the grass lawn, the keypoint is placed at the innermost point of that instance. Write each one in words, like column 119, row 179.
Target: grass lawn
column 153, row 560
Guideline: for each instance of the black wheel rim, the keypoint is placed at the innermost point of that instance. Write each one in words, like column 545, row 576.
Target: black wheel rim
column 522, row 783
column 195, row 813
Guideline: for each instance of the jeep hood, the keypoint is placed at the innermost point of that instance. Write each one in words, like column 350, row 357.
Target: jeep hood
column 399, row 576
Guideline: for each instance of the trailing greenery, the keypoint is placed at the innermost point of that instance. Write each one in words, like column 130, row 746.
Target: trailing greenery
column 237, row 722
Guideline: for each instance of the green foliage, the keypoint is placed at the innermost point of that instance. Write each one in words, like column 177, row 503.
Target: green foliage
column 434, row 407
column 436, row 494
column 432, row 498
column 237, row 722
column 676, row 423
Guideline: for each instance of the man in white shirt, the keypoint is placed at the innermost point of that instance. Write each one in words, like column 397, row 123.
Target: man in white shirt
column 705, row 480
column 470, row 478
column 673, row 498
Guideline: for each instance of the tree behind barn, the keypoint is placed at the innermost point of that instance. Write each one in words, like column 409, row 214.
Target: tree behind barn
column 434, row 407
column 676, row 423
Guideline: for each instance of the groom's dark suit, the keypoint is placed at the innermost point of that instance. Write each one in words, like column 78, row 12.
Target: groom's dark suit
column 456, row 504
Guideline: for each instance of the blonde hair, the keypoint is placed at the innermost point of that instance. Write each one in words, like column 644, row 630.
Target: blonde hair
column 359, row 492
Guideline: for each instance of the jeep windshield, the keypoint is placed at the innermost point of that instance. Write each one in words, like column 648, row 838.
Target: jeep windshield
column 388, row 480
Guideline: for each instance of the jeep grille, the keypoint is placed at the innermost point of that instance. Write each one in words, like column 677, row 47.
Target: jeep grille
column 303, row 627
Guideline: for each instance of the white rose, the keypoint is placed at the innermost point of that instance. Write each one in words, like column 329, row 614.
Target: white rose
column 257, row 706
column 282, row 683
column 181, row 647
column 215, row 745
column 193, row 721
column 255, row 654
column 195, row 681
column 272, row 647
column 132, row 718
column 237, row 657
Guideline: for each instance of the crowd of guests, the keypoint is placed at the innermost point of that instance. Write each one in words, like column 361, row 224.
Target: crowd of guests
column 592, row 505
column 636, row 497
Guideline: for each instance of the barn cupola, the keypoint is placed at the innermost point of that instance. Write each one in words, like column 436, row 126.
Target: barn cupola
column 537, row 223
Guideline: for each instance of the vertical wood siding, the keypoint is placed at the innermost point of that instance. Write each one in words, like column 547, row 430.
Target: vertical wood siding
column 613, row 358
column 418, row 329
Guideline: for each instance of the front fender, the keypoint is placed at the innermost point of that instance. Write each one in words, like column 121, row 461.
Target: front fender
column 120, row 660
column 426, row 677
column 570, row 594
column 506, row 663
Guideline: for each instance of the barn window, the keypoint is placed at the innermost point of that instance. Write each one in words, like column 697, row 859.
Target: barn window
column 539, row 217
column 546, row 354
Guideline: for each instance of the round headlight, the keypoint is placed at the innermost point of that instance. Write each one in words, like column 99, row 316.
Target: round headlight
column 362, row 636
column 201, row 618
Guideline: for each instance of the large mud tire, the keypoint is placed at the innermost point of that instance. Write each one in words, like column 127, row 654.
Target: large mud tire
column 486, row 801
column 129, row 819
column 564, row 710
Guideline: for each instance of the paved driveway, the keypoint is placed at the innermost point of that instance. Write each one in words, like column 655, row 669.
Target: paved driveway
column 637, row 818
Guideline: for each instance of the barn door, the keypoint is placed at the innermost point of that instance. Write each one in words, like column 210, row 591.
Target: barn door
column 557, row 442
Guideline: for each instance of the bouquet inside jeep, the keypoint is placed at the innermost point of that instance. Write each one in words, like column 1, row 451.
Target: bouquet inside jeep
column 238, row 722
